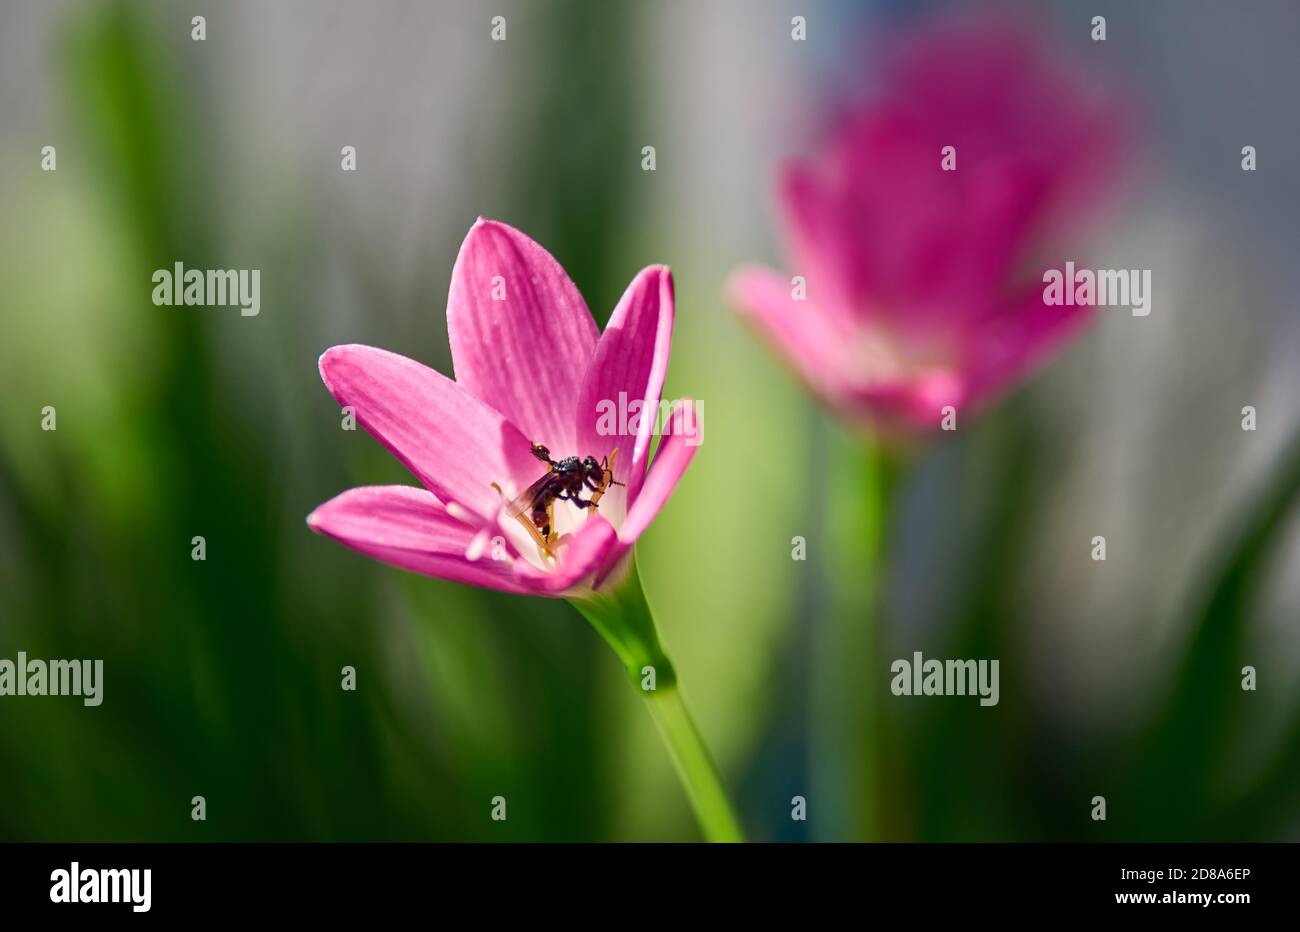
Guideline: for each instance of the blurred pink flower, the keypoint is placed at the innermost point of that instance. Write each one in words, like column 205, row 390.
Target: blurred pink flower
column 530, row 366
column 921, row 288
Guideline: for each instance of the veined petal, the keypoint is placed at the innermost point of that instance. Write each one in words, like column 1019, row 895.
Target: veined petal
column 676, row 450
column 587, row 552
column 521, row 335
column 454, row 443
column 619, row 403
column 409, row 528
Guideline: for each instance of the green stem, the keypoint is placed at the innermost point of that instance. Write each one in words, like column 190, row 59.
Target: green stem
column 621, row 616
column 695, row 768
column 849, row 737
column 883, row 477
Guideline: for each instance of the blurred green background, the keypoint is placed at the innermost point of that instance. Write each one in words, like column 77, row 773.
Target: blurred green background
column 222, row 677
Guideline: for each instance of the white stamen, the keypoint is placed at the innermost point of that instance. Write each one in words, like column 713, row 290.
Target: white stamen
column 461, row 513
column 478, row 545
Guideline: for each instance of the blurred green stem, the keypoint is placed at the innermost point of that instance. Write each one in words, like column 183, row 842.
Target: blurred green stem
column 622, row 617
column 850, row 671
column 695, row 767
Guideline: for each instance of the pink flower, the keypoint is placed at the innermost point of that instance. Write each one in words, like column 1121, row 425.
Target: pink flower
column 531, row 367
column 923, row 286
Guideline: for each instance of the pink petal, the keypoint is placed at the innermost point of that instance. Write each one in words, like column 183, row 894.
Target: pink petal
column 676, row 450
column 914, row 402
column 823, row 234
column 409, row 528
column 629, row 365
column 997, row 354
column 816, row 347
column 521, row 335
column 455, row 444
column 1009, row 347
column 586, row 553
column 811, row 341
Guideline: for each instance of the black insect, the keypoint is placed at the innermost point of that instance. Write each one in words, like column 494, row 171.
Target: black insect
column 564, row 481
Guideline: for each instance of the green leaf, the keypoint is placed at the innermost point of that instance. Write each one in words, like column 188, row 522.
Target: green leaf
column 1189, row 738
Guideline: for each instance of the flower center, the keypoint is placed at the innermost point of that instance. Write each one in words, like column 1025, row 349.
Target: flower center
column 542, row 517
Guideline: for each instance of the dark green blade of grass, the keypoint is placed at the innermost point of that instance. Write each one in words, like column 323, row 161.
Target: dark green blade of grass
column 1179, row 766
